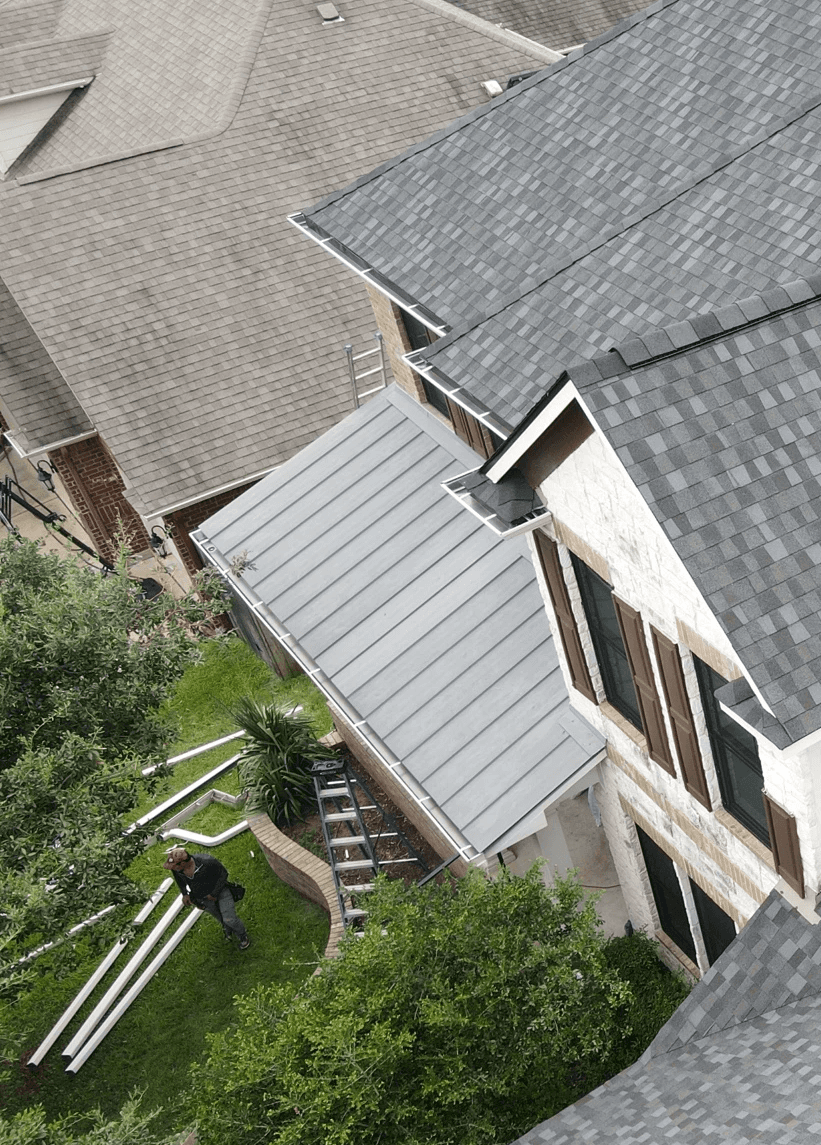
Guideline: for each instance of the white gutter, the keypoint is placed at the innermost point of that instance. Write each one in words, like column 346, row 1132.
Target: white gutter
column 486, row 417
column 367, row 274
column 117, row 986
column 210, row 493
column 97, row 976
column 204, row 840
column 193, row 752
column 406, row 780
column 69, row 85
column 86, row 922
column 180, row 795
column 146, row 976
column 9, row 434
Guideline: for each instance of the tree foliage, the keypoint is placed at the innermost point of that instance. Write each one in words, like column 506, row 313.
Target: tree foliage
column 132, row 1127
column 85, row 663
column 467, row 1013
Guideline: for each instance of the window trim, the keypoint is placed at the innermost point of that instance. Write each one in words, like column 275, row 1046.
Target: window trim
column 710, row 708
column 601, row 643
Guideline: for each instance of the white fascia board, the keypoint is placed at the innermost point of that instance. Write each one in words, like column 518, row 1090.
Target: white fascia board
column 487, row 516
column 517, row 449
column 587, row 776
column 456, row 394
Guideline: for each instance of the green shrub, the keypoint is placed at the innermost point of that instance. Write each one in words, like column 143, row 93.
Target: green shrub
column 276, row 761
column 655, row 995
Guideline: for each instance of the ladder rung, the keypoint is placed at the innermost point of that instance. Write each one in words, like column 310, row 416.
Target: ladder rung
column 348, row 841
column 387, row 862
column 367, row 373
column 355, row 912
column 359, row 889
column 333, row 793
column 354, row 865
column 341, row 816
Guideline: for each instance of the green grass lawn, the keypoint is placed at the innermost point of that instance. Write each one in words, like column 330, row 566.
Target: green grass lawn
column 164, row 1031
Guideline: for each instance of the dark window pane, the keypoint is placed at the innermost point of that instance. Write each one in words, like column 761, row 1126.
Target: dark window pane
column 435, row 397
column 667, row 895
column 717, row 928
column 597, row 601
column 417, row 331
column 736, row 758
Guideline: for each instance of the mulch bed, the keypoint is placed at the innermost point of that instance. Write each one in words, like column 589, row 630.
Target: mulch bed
column 309, row 833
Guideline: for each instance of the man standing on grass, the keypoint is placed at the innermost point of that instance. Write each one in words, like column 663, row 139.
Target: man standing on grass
column 203, row 881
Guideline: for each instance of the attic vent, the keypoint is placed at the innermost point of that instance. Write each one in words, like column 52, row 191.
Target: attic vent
column 491, row 87
column 517, row 79
column 330, row 14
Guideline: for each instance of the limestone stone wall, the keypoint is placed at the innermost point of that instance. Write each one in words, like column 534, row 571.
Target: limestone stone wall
column 600, row 515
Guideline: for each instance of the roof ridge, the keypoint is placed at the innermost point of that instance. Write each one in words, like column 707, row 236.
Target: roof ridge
column 236, row 89
column 449, row 10
column 607, row 236
column 714, row 325
column 463, row 121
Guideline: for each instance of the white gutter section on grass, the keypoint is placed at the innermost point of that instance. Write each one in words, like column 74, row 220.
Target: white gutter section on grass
column 119, row 983
column 86, row 922
column 108, row 961
column 146, row 976
column 175, row 759
column 180, row 795
column 205, row 840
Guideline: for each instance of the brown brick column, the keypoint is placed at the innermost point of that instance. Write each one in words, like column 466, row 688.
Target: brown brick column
column 96, row 488
column 389, row 321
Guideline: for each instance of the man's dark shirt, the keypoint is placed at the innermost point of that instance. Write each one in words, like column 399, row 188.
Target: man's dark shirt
column 209, row 877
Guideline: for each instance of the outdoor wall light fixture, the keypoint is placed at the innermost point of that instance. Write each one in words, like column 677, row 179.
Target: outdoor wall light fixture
column 46, row 474
column 159, row 543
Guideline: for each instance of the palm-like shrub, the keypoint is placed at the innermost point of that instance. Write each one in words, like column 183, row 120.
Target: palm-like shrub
column 276, row 760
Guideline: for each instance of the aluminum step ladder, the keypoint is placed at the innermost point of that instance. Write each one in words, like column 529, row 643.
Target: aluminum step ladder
column 356, row 852
column 356, row 377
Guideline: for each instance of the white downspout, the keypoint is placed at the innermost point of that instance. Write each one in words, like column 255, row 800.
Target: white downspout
column 110, row 958
column 146, row 976
column 119, row 983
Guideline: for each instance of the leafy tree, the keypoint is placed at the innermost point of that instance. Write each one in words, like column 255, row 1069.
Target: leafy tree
column 132, row 1127
column 467, row 1012
column 85, row 663
column 276, row 761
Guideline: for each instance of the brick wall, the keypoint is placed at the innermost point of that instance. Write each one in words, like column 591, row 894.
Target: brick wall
column 389, row 321
column 373, row 766
column 600, row 515
column 183, row 522
column 96, row 489
column 307, row 874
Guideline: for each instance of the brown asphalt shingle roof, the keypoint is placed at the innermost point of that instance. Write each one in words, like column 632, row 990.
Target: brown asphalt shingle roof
column 199, row 331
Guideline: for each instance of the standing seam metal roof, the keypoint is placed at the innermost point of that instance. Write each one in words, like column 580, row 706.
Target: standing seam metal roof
column 432, row 629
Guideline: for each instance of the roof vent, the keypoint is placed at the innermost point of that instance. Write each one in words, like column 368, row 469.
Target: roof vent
column 491, row 87
column 329, row 14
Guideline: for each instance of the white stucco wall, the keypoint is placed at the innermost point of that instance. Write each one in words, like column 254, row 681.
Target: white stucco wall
column 591, row 496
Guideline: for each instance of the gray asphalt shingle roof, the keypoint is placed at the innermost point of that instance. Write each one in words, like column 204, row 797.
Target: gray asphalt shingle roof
column 718, row 422
column 433, row 629
column 625, row 188
column 200, row 333
column 737, row 1062
column 558, row 23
